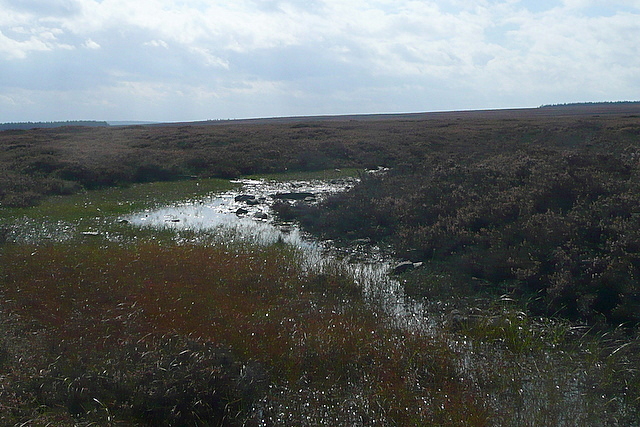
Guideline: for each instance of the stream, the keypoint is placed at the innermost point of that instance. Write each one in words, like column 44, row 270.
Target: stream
column 247, row 214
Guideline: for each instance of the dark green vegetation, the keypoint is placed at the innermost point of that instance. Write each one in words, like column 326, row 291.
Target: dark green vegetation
column 527, row 222
column 545, row 210
column 34, row 125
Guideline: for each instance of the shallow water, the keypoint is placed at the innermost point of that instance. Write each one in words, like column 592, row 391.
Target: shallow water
column 254, row 220
column 227, row 214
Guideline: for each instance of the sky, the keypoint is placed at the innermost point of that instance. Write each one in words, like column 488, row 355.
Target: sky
column 188, row 60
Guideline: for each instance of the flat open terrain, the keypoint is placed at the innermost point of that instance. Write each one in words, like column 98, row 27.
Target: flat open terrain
column 64, row 160
column 525, row 225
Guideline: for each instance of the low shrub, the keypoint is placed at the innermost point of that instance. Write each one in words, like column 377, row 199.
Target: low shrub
column 561, row 224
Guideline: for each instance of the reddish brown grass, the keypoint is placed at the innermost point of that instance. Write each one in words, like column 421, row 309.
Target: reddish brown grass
column 257, row 302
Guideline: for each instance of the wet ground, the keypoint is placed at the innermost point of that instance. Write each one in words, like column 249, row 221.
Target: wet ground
column 247, row 213
column 247, row 210
column 562, row 386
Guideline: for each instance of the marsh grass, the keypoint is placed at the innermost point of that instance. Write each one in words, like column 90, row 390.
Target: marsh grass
column 183, row 328
column 549, row 371
column 98, row 211
column 533, row 370
column 199, row 335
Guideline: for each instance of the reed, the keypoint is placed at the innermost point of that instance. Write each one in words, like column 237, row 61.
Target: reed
column 196, row 334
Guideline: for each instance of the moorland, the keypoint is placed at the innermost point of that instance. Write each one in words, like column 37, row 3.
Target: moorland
column 526, row 223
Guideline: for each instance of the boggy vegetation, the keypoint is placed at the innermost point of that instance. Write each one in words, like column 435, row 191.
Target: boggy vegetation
column 551, row 218
column 539, row 207
column 148, row 334
column 536, row 203
column 65, row 160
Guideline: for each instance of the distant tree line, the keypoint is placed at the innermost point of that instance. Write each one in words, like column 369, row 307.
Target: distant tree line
column 34, row 125
column 573, row 104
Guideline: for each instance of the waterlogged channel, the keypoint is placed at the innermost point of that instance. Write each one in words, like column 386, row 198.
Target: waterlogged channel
column 246, row 214
column 246, row 211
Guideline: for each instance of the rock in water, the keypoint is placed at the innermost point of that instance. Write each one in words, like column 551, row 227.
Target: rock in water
column 244, row 198
column 294, row 196
column 405, row 266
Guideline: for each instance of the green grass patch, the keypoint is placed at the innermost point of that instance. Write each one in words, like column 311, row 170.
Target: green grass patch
column 94, row 215
column 98, row 211
column 119, row 200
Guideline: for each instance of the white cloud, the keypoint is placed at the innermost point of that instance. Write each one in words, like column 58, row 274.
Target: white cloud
column 152, row 91
column 90, row 44
column 331, row 54
column 208, row 58
column 21, row 47
column 157, row 43
column 577, row 50
column 581, row 4
column 7, row 101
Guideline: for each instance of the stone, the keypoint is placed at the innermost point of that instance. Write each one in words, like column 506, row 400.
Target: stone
column 244, row 198
column 405, row 266
column 303, row 195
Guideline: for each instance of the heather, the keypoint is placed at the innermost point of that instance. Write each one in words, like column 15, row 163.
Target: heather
column 550, row 218
column 65, row 160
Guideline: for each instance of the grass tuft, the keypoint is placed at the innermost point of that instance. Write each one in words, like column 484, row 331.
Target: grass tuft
column 221, row 334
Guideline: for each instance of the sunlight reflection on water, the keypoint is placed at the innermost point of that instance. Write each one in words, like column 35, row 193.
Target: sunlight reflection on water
column 230, row 215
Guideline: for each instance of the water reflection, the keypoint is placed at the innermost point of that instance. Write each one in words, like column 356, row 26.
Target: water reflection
column 247, row 212
column 247, row 215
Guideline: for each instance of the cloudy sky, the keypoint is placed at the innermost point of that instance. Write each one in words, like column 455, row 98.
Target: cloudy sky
column 180, row 60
